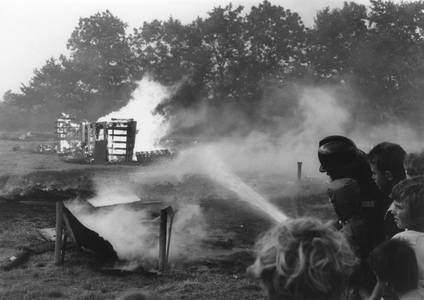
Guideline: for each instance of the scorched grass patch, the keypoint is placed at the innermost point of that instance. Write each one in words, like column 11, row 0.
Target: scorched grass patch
column 81, row 276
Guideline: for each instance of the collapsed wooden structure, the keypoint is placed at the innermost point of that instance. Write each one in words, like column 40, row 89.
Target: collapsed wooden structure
column 85, row 238
column 99, row 142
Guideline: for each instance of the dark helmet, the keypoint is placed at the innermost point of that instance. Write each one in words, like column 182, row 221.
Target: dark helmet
column 338, row 152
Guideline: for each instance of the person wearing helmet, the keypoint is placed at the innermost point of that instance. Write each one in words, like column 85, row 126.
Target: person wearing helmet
column 348, row 169
column 355, row 199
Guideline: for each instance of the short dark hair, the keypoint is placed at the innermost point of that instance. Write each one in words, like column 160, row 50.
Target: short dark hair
column 394, row 261
column 414, row 163
column 388, row 157
column 410, row 192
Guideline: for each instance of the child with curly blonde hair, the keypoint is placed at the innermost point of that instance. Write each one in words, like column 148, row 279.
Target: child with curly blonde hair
column 303, row 258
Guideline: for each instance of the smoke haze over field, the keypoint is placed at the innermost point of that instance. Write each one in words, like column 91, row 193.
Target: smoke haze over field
column 295, row 132
column 267, row 153
column 134, row 233
column 253, row 149
column 226, row 147
column 292, row 135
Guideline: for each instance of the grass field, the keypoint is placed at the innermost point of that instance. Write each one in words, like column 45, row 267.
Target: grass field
column 30, row 176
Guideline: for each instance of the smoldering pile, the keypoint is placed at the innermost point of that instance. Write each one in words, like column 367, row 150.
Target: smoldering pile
column 50, row 191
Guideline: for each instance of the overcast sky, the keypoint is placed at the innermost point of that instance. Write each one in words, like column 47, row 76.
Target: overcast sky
column 32, row 31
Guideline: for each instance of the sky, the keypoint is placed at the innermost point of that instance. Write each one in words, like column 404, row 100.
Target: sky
column 34, row 31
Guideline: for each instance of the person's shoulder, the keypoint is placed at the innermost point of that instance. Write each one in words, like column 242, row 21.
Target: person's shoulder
column 411, row 235
column 416, row 294
column 408, row 233
column 343, row 183
column 400, row 235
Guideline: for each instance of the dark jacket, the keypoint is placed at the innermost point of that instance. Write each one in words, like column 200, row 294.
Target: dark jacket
column 360, row 229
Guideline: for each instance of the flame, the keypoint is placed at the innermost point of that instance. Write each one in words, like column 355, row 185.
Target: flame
column 151, row 127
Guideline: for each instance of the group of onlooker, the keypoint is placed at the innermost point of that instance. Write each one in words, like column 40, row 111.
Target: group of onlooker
column 374, row 251
column 376, row 248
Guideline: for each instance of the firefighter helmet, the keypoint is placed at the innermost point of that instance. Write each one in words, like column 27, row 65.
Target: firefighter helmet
column 338, row 152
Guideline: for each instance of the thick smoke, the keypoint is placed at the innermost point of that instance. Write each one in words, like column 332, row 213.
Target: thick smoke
column 300, row 116
column 276, row 150
column 267, row 154
column 134, row 233
column 130, row 232
column 189, row 230
column 297, row 127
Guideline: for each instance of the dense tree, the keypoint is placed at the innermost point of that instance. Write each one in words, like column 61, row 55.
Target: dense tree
column 44, row 89
column 102, row 56
column 275, row 37
column 232, row 58
column 222, row 34
column 95, row 80
column 236, row 60
column 171, row 54
column 390, row 61
column 372, row 52
column 398, row 26
column 162, row 50
column 334, row 38
column 12, row 118
column 275, row 40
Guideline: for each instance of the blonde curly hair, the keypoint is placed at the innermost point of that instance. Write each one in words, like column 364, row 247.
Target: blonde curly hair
column 303, row 258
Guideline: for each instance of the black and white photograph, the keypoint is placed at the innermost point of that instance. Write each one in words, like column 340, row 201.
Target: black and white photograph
column 212, row 150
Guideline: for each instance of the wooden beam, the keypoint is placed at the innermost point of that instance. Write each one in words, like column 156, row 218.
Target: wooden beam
column 59, row 231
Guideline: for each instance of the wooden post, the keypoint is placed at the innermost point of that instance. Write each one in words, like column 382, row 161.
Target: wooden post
column 170, row 218
column 299, row 171
column 59, row 227
column 62, row 257
column 70, row 231
column 89, row 141
column 162, row 240
column 83, row 133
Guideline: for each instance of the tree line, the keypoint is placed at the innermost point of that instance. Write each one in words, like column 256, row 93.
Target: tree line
column 231, row 60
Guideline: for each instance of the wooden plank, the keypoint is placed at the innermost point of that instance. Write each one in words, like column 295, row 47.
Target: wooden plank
column 69, row 228
column 49, row 234
column 59, row 231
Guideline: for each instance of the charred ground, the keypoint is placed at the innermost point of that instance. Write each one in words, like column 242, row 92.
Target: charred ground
column 29, row 177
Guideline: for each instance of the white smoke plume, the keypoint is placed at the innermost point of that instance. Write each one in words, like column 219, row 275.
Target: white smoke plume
column 277, row 150
column 188, row 232
column 271, row 154
column 134, row 233
column 131, row 233
column 319, row 112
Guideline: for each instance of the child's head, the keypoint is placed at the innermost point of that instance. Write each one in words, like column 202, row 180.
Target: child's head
column 414, row 164
column 386, row 162
column 395, row 264
column 408, row 198
column 303, row 258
